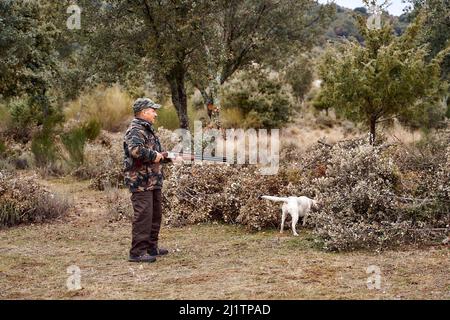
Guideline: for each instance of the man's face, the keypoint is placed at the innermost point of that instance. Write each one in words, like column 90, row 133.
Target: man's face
column 148, row 114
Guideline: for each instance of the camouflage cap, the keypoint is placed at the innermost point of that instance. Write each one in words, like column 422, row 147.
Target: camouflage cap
column 144, row 103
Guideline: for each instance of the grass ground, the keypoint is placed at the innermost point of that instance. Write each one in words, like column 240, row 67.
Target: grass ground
column 206, row 262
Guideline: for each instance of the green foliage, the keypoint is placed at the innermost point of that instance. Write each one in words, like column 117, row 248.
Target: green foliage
column 436, row 29
column 300, row 75
column 250, row 34
column 167, row 118
column 92, row 129
column 27, row 54
column 27, row 112
column 74, row 142
column 22, row 114
column 261, row 98
column 387, row 76
column 9, row 214
column 5, row 117
column 43, row 147
column 2, row 148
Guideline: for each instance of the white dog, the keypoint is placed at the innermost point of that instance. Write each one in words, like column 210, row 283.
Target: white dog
column 296, row 207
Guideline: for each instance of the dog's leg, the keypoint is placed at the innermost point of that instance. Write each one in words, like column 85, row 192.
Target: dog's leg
column 283, row 218
column 294, row 223
column 304, row 219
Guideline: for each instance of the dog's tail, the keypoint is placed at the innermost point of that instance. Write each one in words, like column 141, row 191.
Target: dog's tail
column 281, row 199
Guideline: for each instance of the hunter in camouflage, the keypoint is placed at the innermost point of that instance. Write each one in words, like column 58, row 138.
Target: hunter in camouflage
column 140, row 144
column 143, row 176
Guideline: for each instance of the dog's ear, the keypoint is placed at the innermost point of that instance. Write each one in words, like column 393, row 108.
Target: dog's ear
column 259, row 197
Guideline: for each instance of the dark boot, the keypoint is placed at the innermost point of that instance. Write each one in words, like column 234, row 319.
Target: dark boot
column 143, row 258
column 158, row 251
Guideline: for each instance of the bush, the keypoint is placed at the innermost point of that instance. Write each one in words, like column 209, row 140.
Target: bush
column 207, row 192
column 109, row 106
column 300, row 76
column 22, row 120
column 231, row 117
column 28, row 113
column 5, row 118
column 74, row 142
column 371, row 197
column 22, row 200
column 119, row 206
column 102, row 162
column 44, row 148
column 92, row 129
column 261, row 97
column 167, row 118
column 22, row 114
column 2, row 149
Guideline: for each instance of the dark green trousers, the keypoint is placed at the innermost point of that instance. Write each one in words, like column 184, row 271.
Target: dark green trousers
column 146, row 221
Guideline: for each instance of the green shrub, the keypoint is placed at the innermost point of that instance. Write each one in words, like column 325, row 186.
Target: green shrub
column 74, row 142
column 261, row 97
column 5, row 118
column 43, row 148
column 2, row 148
column 21, row 120
column 21, row 113
column 92, row 129
column 167, row 118
column 231, row 117
column 300, row 76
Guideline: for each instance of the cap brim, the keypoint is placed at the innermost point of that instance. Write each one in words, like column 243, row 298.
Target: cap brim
column 156, row 106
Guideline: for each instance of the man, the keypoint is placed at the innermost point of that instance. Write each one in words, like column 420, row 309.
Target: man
column 143, row 176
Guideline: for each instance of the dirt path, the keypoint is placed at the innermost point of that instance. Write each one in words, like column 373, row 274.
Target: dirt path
column 206, row 262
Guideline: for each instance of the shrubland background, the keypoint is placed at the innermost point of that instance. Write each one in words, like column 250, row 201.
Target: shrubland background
column 314, row 71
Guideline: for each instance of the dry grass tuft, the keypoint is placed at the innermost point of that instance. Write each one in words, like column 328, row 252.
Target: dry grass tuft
column 111, row 106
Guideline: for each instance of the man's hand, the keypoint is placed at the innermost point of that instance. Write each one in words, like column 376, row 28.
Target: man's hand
column 158, row 158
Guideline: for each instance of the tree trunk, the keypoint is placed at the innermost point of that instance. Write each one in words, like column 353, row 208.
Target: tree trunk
column 373, row 122
column 212, row 101
column 176, row 79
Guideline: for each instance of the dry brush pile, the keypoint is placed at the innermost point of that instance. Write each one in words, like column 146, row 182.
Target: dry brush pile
column 23, row 200
column 371, row 196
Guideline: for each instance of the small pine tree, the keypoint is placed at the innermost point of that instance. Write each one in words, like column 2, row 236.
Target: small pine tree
column 385, row 77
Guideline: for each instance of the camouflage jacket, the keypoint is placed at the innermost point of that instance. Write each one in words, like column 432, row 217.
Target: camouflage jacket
column 140, row 144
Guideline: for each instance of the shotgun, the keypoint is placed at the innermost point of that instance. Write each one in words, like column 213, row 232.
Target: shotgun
column 191, row 157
